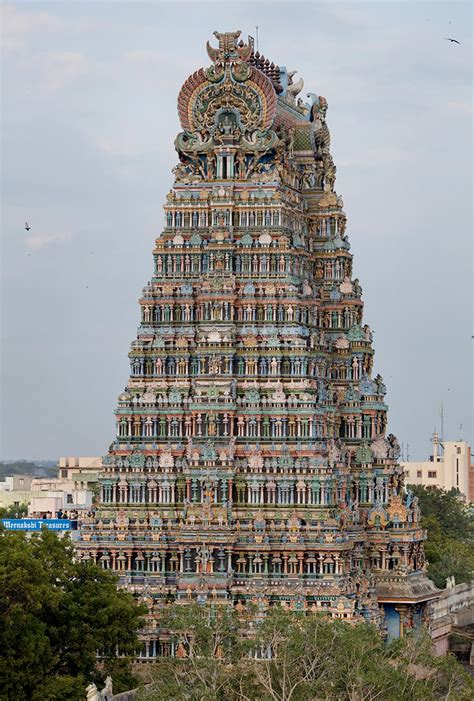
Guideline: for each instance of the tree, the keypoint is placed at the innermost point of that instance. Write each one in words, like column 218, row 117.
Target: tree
column 209, row 646
column 449, row 548
column 13, row 511
column 57, row 614
column 294, row 656
column 447, row 508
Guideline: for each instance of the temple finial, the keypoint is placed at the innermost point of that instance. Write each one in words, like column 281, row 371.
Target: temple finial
column 229, row 50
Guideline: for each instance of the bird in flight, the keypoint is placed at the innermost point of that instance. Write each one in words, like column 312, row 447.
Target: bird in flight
column 27, row 226
column 454, row 41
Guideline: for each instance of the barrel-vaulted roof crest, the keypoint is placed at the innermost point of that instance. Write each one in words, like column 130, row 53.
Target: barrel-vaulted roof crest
column 230, row 87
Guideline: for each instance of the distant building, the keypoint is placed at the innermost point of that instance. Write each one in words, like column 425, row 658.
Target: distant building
column 16, row 483
column 449, row 467
column 15, row 490
column 471, row 480
column 50, row 495
column 72, row 490
column 83, row 470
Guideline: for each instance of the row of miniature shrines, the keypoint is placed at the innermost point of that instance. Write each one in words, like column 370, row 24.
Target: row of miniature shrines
column 247, row 216
column 185, row 219
column 276, row 490
column 245, row 311
column 209, row 425
column 269, row 264
column 242, row 218
column 125, row 464
column 188, row 560
column 205, row 394
column 229, row 364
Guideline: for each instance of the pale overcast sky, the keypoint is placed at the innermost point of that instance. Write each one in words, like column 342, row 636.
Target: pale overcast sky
column 88, row 123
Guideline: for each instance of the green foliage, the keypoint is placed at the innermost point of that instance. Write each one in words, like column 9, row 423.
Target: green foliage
column 212, row 642
column 56, row 614
column 446, row 507
column 450, row 526
column 14, row 511
column 300, row 658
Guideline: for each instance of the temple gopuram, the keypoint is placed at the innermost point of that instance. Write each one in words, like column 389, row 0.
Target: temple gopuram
column 251, row 461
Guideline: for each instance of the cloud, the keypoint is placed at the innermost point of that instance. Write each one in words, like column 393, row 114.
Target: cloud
column 18, row 26
column 140, row 57
column 382, row 155
column 37, row 241
column 33, row 66
column 129, row 145
column 463, row 109
column 347, row 15
column 47, row 72
column 157, row 63
column 57, row 69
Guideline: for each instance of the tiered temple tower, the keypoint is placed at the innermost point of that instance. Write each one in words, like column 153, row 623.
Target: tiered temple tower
column 251, row 461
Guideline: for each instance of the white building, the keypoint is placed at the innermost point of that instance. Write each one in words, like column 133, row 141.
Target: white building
column 80, row 469
column 15, row 490
column 72, row 490
column 16, row 483
column 53, row 494
column 449, row 467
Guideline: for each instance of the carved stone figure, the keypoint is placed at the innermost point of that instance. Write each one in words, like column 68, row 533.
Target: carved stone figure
column 293, row 88
column 92, row 693
column 394, row 451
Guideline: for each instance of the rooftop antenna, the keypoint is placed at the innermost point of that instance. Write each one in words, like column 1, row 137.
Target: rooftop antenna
column 256, row 35
column 408, row 452
column 460, row 432
column 442, row 423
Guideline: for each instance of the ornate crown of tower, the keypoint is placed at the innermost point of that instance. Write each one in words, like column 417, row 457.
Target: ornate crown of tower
column 251, row 462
